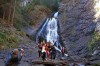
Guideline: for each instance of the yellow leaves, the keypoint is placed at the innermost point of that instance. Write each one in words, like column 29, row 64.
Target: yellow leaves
column 21, row 33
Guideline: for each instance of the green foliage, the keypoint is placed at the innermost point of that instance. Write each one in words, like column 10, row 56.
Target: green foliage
column 8, row 40
column 20, row 21
column 22, row 18
column 2, row 38
column 5, row 1
column 18, row 24
column 94, row 41
column 52, row 4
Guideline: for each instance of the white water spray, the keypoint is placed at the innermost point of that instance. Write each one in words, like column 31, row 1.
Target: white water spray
column 50, row 31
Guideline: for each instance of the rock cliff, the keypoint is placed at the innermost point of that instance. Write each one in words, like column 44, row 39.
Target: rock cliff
column 78, row 22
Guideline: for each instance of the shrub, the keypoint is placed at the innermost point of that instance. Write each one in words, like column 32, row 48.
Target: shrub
column 8, row 40
column 52, row 4
column 94, row 41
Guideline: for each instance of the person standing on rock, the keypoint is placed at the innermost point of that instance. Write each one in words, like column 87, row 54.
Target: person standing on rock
column 53, row 52
column 48, row 49
column 14, row 57
column 43, row 51
column 63, row 51
column 40, row 49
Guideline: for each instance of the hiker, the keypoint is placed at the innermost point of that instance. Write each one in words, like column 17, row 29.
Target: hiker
column 40, row 49
column 48, row 49
column 14, row 57
column 53, row 52
column 63, row 51
column 43, row 51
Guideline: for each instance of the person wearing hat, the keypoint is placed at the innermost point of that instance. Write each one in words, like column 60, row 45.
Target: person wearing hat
column 14, row 57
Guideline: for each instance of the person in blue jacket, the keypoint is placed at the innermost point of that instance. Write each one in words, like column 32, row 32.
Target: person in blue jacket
column 14, row 57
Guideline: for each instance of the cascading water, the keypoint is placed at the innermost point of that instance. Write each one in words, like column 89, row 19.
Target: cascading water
column 49, row 32
column 52, row 29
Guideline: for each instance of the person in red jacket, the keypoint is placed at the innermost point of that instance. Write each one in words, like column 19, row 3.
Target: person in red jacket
column 63, row 51
column 48, row 49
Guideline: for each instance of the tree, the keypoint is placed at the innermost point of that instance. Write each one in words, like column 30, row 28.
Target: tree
column 13, row 14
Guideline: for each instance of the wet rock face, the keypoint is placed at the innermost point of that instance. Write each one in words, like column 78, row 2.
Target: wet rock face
column 77, row 25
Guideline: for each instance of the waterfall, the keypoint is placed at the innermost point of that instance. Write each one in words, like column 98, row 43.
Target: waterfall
column 49, row 32
column 52, row 29
column 25, row 2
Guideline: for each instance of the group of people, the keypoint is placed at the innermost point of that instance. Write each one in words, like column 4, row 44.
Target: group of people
column 47, row 50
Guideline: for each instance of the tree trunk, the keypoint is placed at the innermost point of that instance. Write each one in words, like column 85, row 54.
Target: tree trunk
column 9, row 16
column 4, row 15
column 13, row 15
